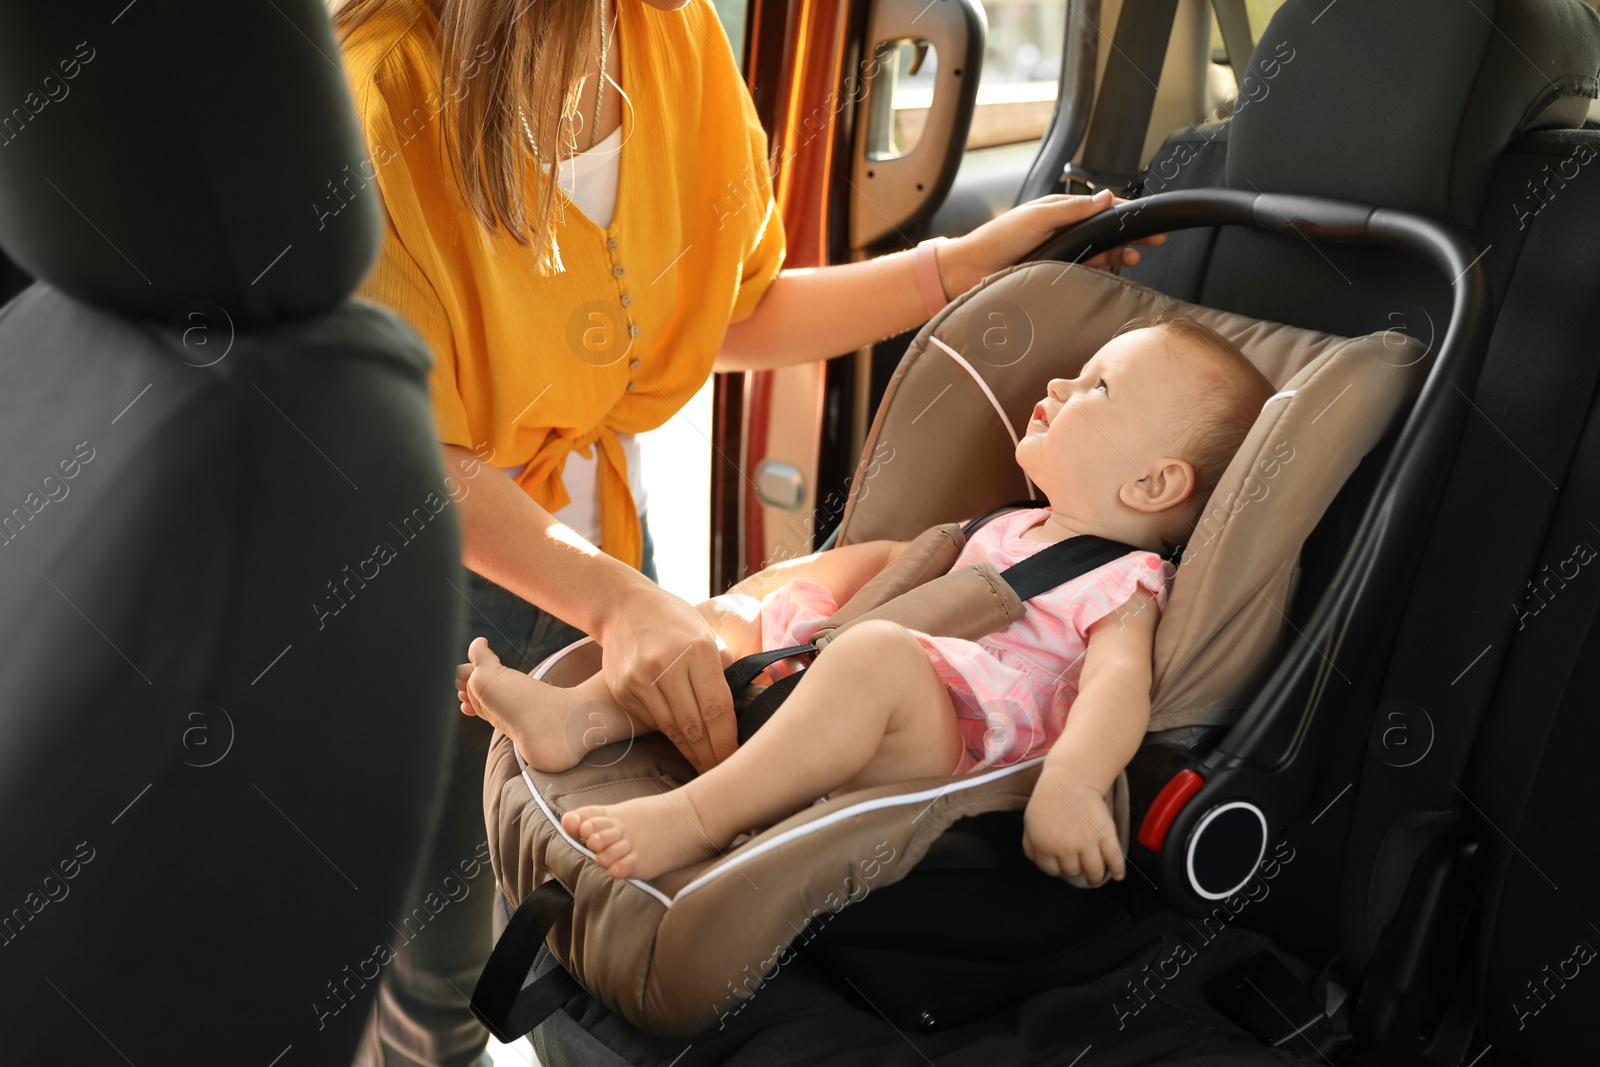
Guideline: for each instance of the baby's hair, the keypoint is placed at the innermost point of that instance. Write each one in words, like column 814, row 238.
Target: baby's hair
column 1220, row 416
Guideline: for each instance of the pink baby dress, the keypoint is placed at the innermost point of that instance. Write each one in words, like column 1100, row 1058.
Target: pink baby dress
column 1011, row 688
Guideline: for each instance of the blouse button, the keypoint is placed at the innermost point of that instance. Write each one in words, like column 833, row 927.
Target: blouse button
column 616, row 272
column 611, row 243
column 627, row 300
column 630, row 387
column 633, row 329
column 633, row 364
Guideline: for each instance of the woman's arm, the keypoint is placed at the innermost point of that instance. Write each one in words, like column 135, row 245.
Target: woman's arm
column 817, row 313
column 1067, row 827
column 660, row 658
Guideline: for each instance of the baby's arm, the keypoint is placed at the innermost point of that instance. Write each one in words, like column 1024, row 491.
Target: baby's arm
column 1067, row 827
column 841, row 570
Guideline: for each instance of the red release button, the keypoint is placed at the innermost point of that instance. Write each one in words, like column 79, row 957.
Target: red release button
column 1173, row 796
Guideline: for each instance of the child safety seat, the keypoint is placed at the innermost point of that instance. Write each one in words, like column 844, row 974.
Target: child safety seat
column 1486, row 141
column 674, row 971
column 225, row 547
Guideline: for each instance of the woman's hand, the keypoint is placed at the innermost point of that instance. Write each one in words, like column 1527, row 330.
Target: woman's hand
column 1001, row 242
column 660, row 661
column 1068, row 830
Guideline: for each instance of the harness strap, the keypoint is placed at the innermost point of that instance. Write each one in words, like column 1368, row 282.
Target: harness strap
column 1061, row 562
column 742, row 672
column 510, row 1008
column 755, row 715
column 1051, row 566
column 500, row 1001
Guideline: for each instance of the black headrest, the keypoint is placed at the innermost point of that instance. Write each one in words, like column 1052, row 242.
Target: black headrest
column 162, row 152
column 1407, row 103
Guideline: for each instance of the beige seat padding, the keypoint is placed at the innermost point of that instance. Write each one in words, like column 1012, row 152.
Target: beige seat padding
column 1228, row 608
column 676, row 954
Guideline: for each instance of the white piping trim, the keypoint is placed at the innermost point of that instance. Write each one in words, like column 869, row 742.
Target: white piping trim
column 904, row 799
column 1282, row 394
column 538, row 672
column 993, row 402
column 746, row 855
column 666, row 901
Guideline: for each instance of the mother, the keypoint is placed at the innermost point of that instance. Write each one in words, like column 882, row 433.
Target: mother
column 563, row 322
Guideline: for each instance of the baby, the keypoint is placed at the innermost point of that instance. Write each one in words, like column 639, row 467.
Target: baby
column 1130, row 449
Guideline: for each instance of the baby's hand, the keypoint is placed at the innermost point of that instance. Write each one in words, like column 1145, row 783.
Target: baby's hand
column 1068, row 830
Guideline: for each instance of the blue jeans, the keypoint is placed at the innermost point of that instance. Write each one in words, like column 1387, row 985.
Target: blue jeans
column 422, row 1018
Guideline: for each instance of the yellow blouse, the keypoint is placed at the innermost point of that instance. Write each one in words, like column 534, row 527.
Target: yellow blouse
column 529, row 367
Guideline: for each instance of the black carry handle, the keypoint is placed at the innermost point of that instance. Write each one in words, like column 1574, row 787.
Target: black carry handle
column 500, row 1000
column 1262, row 757
column 1274, row 730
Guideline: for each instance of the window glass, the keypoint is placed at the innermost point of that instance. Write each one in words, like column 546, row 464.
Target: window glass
column 1260, row 12
column 1021, row 71
column 732, row 13
column 1017, row 89
column 1221, row 87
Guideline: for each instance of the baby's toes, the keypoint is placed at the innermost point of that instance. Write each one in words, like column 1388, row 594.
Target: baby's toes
column 618, row 860
column 583, row 822
column 482, row 655
column 603, row 837
column 463, row 693
column 572, row 822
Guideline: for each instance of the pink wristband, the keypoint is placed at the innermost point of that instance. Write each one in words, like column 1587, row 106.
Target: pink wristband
column 928, row 279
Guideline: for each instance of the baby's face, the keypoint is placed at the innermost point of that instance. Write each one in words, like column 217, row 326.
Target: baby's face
column 1108, row 426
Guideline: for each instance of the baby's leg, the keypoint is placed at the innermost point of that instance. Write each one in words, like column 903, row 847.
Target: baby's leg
column 871, row 710
column 553, row 727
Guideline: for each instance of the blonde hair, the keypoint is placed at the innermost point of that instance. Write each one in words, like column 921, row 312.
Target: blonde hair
column 539, row 50
column 1220, row 413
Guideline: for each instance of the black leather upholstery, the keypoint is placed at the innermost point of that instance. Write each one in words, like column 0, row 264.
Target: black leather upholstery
column 147, row 160
column 1418, row 110
column 1512, row 511
column 227, row 549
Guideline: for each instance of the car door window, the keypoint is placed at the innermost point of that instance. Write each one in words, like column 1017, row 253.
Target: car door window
column 1017, row 89
column 732, row 14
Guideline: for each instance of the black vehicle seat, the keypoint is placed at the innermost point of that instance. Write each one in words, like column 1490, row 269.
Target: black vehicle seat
column 1473, row 114
column 225, row 549
column 12, row 280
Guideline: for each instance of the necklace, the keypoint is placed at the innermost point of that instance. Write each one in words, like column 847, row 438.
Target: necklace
column 599, row 93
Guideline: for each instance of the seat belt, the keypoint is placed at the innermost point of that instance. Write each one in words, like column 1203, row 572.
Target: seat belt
column 1052, row 566
column 1127, row 96
column 1234, row 21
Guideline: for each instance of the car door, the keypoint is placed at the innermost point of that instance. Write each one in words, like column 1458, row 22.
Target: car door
column 891, row 121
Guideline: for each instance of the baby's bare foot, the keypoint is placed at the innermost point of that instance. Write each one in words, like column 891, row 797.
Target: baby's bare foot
column 644, row 837
column 534, row 714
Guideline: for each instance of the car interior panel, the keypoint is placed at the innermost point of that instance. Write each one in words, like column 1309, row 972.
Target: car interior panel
column 231, row 554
